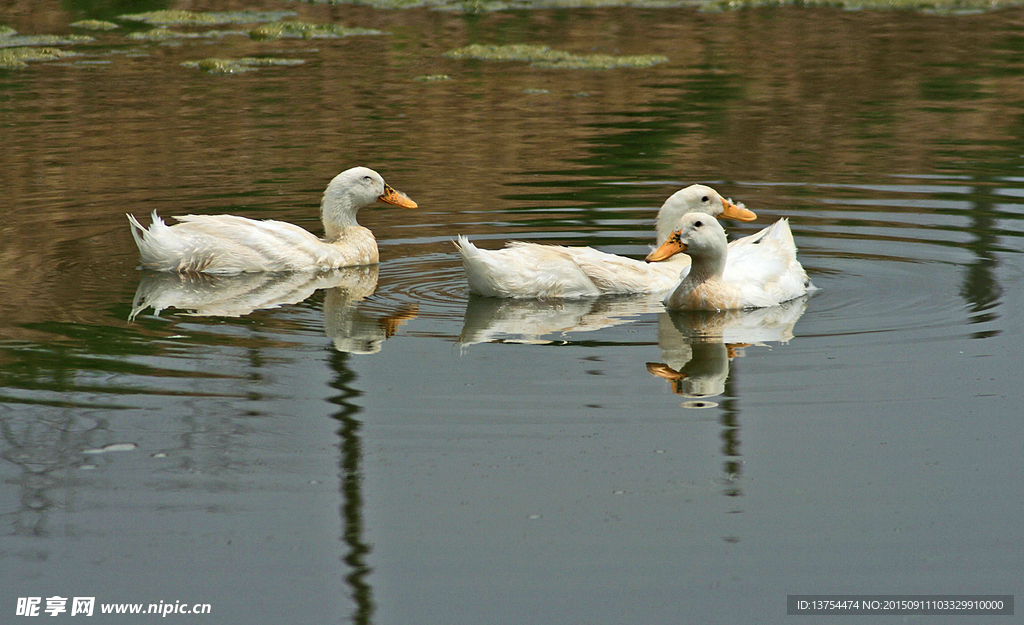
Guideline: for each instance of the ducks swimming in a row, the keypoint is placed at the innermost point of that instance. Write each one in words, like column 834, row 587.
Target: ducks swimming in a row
column 751, row 272
column 530, row 270
column 754, row 271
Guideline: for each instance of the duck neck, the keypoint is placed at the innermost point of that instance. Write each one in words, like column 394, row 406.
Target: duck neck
column 667, row 220
column 702, row 269
column 338, row 212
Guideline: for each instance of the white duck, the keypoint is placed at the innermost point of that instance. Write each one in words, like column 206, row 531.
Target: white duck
column 776, row 277
column 226, row 244
column 531, row 270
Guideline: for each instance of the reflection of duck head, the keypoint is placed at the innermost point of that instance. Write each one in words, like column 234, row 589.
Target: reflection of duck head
column 703, row 374
column 355, row 332
column 696, row 346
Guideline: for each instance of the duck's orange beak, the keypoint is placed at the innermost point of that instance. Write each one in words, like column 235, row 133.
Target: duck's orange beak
column 665, row 372
column 672, row 246
column 390, row 196
column 736, row 212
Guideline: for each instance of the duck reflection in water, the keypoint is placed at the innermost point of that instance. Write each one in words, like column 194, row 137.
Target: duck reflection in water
column 238, row 295
column 697, row 346
column 489, row 319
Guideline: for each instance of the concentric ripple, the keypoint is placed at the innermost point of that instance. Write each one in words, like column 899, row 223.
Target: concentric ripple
column 435, row 282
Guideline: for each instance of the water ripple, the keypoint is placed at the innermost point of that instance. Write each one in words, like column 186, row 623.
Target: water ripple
column 435, row 282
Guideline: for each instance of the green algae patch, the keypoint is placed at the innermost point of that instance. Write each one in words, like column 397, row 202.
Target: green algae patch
column 237, row 66
column 17, row 58
column 486, row 6
column 166, row 34
column 7, row 31
column 385, row 4
column 171, row 18
column 433, row 78
column 512, row 52
column 11, row 39
column 545, row 57
column 94, row 25
column 197, row 18
column 603, row 61
column 921, row 6
column 307, row 30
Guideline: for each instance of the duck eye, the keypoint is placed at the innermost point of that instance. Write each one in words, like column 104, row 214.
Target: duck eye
column 367, row 179
column 697, row 224
column 704, row 199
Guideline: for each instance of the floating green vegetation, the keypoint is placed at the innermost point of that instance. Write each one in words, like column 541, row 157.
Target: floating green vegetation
column 237, row 66
column 543, row 56
column 196, row 18
column 484, row 6
column 433, row 78
column 94, row 25
column 170, row 18
column 166, row 34
column 16, row 58
column 9, row 38
column 924, row 6
column 385, row 4
column 306, row 30
column 603, row 61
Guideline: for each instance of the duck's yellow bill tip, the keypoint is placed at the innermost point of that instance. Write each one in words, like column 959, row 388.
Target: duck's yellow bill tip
column 668, row 249
column 397, row 198
column 739, row 213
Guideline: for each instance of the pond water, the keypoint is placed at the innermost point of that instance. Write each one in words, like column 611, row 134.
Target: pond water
column 375, row 446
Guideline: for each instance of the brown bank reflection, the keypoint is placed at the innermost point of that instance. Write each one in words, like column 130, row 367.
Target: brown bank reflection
column 697, row 349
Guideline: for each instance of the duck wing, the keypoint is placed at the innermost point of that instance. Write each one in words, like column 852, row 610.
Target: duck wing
column 765, row 268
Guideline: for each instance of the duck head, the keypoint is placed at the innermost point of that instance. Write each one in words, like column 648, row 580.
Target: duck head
column 697, row 198
column 700, row 236
column 351, row 190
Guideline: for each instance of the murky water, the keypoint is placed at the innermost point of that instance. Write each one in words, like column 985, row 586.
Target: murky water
column 376, row 446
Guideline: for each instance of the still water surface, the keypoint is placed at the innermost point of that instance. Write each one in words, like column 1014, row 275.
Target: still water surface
column 375, row 446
